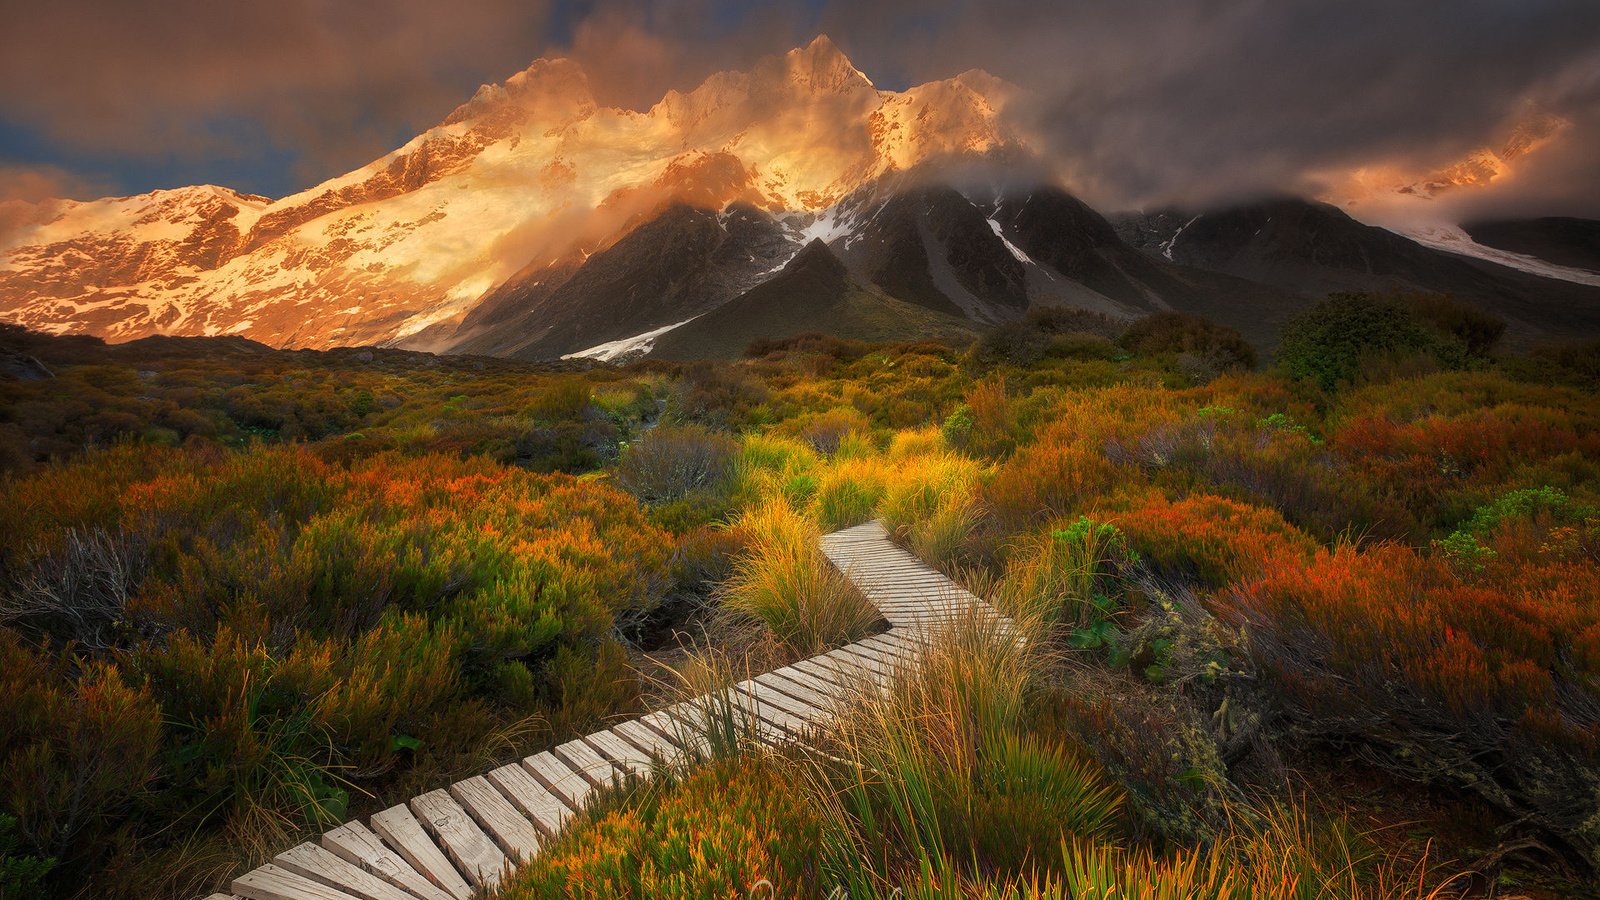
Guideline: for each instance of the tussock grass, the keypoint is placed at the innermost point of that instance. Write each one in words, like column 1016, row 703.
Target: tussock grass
column 786, row 582
column 938, row 769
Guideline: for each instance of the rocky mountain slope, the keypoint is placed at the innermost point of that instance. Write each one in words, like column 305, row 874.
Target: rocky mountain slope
column 1314, row 249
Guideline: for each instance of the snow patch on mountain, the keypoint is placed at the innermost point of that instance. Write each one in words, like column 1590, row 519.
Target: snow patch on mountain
column 1452, row 239
column 1015, row 250
column 626, row 348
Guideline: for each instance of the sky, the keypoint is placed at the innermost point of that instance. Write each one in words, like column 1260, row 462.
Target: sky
column 1139, row 102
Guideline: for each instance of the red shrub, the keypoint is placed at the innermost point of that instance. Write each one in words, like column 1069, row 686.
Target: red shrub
column 1490, row 682
column 1212, row 539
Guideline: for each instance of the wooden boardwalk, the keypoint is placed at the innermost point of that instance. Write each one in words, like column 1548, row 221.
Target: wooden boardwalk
column 448, row 843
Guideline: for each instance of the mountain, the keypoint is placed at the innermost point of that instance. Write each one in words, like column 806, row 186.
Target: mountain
column 534, row 223
column 814, row 292
column 529, row 170
column 1314, row 248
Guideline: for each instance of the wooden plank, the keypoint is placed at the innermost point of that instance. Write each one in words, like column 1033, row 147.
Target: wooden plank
column 770, row 695
column 694, row 743
column 824, row 691
column 621, row 753
column 824, row 674
column 359, row 845
column 848, row 652
column 473, row 852
column 887, row 649
column 661, row 750
column 272, row 882
column 312, row 861
column 766, row 709
column 560, row 778
column 822, row 703
column 849, row 674
column 405, row 834
column 512, row 830
column 905, row 641
column 535, row 800
column 590, row 764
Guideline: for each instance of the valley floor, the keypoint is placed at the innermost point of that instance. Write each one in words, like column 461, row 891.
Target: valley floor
column 1326, row 629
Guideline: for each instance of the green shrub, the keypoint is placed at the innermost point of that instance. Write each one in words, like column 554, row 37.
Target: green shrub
column 1330, row 342
column 1220, row 347
column 1475, row 329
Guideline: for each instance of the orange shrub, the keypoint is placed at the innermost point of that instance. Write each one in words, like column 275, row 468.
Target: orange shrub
column 1441, row 464
column 1212, row 539
column 1047, row 480
column 1488, row 682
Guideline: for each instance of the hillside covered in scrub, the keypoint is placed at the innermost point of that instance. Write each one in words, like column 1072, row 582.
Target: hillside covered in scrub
column 1324, row 625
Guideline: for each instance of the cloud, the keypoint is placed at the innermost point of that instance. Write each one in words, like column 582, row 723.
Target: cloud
column 325, row 80
column 634, row 52
column 1146, row 102
column 28, row 194
column 1139, row 103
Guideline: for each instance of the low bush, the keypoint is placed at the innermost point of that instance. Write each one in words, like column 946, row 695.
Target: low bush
column 1211, row 540
column 1472, row 327
column 735, row 828
column 672, row 462
column 1330, row 342
column 296, row 634
column 1484, row 680
column 1221, row 348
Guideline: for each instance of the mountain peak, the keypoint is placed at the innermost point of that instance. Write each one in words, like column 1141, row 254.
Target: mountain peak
column 822, row 66
column 558, row 83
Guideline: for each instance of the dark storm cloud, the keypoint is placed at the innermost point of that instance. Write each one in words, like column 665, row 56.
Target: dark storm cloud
column 1149, row 102
column 1140, row 102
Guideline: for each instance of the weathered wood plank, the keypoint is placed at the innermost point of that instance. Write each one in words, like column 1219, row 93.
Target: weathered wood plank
column 821, row 703
column 497, row 816
column 754, row 695
column 535, row 800
column 272, row 882
column 312, row 861
column 826, row 691
column 405, row 834
column 358, row 845
column 621, row 753
column 801, row 710
column 473, row 852
column 693, row 742
column 590, row 764
column 659, row 749
column 826, row 674
column 560, row 778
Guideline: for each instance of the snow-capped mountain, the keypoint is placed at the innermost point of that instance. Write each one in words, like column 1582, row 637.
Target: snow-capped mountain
column 525, row 174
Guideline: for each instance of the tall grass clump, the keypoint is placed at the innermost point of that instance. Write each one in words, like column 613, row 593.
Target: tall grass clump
column 1066, row 574
column 1279, row 852
column 930, row 501
column 940, row 771
column 849, row 491
column 785, row 581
